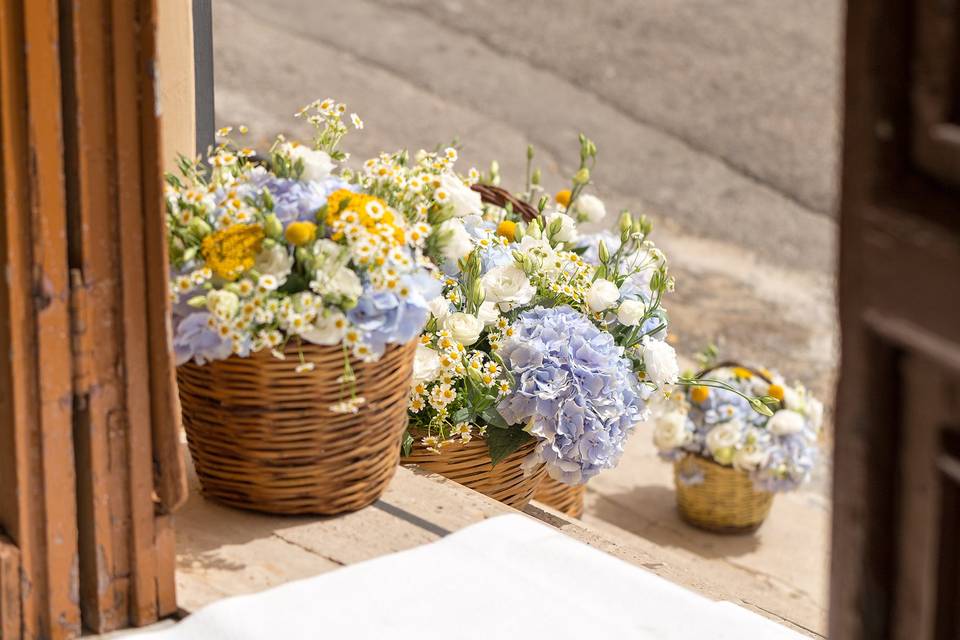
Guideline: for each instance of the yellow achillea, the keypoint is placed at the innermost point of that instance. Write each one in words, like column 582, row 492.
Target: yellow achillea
column 699, row 394
column 369, row 212
column 563, row 197
column 507, row 229
column 743, row 373
column 232, row 250
column 775, row 391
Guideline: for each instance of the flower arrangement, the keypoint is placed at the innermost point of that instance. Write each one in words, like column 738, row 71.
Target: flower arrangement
column 541, row 332
column 716, row 422
column 297, row 249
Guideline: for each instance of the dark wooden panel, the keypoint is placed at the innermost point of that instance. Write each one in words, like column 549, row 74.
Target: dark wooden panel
column 9, row 589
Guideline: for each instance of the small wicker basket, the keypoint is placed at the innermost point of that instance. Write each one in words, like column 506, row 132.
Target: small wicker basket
column 263, row 437
column 562, row 497
column 469, row 464
column 725, row 502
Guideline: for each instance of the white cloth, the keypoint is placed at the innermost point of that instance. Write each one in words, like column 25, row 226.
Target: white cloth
column 507, row 577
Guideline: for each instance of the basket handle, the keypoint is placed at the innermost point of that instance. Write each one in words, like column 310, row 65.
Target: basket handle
column 733, row 363
column 500, row 197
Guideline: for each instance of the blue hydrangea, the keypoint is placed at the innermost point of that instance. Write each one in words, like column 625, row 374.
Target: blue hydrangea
column 387, row 318
column 578, row 394
column 194, row 339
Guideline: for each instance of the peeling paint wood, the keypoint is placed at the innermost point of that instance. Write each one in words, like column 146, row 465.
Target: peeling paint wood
column 9, row 589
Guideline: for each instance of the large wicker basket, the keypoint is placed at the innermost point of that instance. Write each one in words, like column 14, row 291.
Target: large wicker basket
column 469, row 464
column 562, row 497
column 263, row 437
column 725, row 502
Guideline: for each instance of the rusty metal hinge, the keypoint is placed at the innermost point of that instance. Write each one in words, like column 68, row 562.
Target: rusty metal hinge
column 80, row 345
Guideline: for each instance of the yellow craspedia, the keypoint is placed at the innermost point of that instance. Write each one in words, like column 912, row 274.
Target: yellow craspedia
column 563, row 197
column 507, row 229
column 699, row 394
column 741, row 372
column 301, row 233
column 775, row 391
column 232, row 250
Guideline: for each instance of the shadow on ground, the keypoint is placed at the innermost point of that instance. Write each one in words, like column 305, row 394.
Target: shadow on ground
column 660, row 523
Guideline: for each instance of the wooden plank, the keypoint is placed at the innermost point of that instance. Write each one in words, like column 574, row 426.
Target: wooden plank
column 9, row 590
column 166, row 559
column 175, row 54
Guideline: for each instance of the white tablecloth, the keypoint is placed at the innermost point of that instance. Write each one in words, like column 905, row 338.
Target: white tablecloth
column 507, row 577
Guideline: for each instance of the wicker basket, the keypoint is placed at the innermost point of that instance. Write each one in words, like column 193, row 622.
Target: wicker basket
column 725, row 502
column 469, row 464
column 262, row 436
column 562, row 497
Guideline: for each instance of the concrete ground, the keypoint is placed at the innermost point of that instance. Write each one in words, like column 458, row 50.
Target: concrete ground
column 718, row 119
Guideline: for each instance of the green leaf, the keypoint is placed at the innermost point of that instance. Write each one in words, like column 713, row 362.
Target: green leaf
column 462, row 414
column 503, row 442
column 493, row 418
column 407, row 445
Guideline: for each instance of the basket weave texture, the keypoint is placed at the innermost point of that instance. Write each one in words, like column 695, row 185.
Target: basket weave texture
column 725, row 502
column 562, row 497
column 263, row 437
column 469, row 464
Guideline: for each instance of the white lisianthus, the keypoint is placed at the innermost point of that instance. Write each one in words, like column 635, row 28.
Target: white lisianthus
column 426, row 364
column 591, row 207
column 317, row 164
column 223, row 304
column 568, row 227
column 327, row 329
column 275, row 261
column 671, row 431
column 457, row 243
column 792, row 399
column 343, row 282
column 488, row 313
column 660, row 361
column 508, row 286
column 631, row 312
column 749, row 457
column 464, row 327
column 722, row 439
column 785, row 422
column 464, row 200
column 440, row 308
column 540, row 249
column 602, row 295
column 815, row 413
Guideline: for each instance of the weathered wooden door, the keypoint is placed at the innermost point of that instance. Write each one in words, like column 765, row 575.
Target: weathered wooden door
column 89, row 455
column 896, row 542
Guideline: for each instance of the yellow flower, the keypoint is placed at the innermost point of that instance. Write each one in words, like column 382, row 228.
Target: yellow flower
column 699, row 394
column 507, row 229
column 563, row 197
column 301, row 233
column 776, row 391
column 741, row 372
column 232, row 250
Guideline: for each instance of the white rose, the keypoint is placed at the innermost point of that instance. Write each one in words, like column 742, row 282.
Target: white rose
column 791, row 398
column 464, row 199
column 602, row 295
column 671, row 431
column 785, row 422
column 275, row 261
column 631, row 312
column 660, row 361
column 426, row 364
column 317, row 165
column 568, row 227
column 749, row 457
column 223, row 304
column 488, row 313
column 439, row 307
column 457, row 241
column 723, row 438
column 465, row 328
column 327, row 330
column 591, row 207
column 508, row 286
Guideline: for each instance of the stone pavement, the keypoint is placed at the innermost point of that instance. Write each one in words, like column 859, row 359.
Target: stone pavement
column 719, row 120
